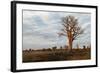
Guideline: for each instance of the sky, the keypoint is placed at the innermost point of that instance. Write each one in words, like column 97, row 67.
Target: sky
column 41, row 28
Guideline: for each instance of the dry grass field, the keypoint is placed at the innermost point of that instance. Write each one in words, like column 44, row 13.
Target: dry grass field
column 55, row 55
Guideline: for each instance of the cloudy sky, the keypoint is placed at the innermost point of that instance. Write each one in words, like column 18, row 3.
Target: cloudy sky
column 40, row 29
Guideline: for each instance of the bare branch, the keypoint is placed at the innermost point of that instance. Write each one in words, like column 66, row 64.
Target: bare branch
column 71, row 29
column 64, row 30
column 62, row 34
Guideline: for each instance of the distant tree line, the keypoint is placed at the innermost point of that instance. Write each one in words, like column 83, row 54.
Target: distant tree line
column 55, row 48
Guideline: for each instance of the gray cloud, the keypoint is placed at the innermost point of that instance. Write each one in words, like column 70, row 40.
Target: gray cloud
column 39, row 26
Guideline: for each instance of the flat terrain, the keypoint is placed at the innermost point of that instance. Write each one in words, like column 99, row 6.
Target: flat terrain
column 55, row 55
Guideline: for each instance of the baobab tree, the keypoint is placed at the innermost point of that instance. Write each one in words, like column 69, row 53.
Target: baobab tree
column 71, row 29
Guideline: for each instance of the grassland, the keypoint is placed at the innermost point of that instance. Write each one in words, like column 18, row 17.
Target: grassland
column 55, row 55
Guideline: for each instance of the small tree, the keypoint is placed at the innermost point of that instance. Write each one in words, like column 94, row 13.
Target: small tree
column 84, row 47
column 61, row 47
column 30, row 49
column 54, row 48
column 71, row 29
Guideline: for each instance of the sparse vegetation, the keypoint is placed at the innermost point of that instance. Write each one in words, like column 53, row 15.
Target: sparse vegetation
column 55, row 55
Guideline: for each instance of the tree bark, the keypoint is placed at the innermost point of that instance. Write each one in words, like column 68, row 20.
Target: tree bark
column 70, row 41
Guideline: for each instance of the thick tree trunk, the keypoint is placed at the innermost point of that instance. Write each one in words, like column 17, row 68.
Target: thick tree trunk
column 70, row 44
column 70, row 41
